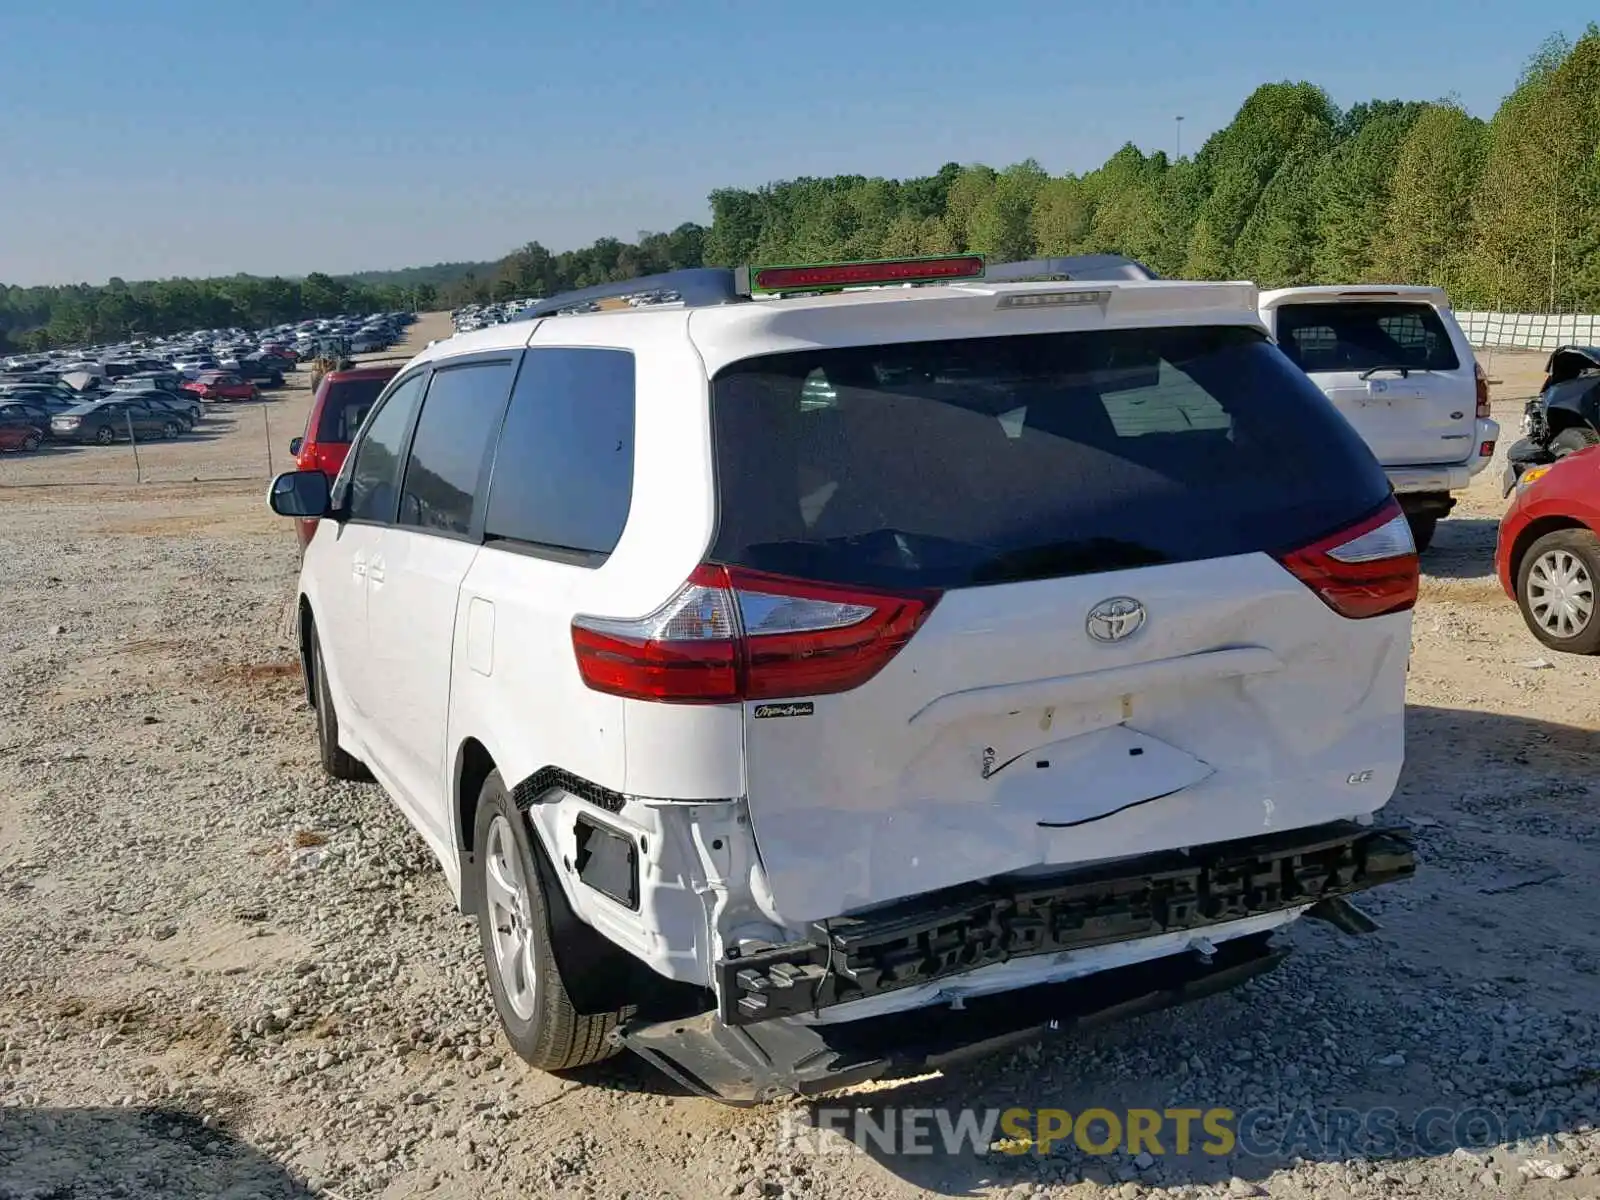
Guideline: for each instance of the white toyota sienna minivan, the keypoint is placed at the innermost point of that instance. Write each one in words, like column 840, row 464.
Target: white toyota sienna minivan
column 810, row 674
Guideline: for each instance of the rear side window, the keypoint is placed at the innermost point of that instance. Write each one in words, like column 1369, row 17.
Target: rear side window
column 346, row 406
column 450, row 450
column 1361, row 336
column 991, row 460
column 563, row 473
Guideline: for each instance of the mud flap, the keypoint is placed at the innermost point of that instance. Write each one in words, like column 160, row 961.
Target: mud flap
column 755, row 1064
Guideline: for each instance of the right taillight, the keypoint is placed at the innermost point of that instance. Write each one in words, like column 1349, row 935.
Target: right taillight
column 1366, row 570
column 729, row 635
column 1483, row 389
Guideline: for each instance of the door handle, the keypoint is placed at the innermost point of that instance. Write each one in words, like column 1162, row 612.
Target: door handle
column 375, row 570
column 358, row 569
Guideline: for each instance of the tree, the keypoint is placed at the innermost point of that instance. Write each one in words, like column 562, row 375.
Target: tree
column 1422, row 237
column 1535, row 202
column 1000, row 224
column 1353, row 185
column 1063, row 211
column 1241, row 161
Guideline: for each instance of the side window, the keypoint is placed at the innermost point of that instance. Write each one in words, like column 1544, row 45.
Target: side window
column 563, row 473
column 375, row 461
column 460, row 417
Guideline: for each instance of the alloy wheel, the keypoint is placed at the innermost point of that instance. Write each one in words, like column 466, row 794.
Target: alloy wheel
column 511, row 912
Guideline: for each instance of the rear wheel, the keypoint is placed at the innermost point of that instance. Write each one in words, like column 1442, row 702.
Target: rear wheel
column 1556, row 583
column 104, row 436
column 31, row 442
column 540, row 1020
column 1422, row 529
column 335, row 761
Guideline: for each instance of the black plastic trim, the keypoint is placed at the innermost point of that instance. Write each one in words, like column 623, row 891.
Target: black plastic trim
column 545, row 779
column 961, row 929
column 753, row 1064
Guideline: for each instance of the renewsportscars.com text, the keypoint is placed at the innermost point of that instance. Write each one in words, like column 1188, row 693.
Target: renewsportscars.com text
column 1214, row 1132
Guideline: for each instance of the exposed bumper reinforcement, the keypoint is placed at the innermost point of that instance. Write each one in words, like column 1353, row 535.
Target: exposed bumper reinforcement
column 754, row 1064
column 962, row 929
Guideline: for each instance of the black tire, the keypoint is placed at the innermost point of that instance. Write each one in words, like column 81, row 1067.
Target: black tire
column 1579, row 550
column 1422, row 529
column 1573, row 439
column 104, row 435
column 170, row 430
column 550, row 1034
column 31, row 442
column 335, row 761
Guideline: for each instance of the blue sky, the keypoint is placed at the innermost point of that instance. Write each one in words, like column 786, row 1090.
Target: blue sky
column 200, row 137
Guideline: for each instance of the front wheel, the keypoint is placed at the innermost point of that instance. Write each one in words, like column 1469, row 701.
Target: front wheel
column 540, row 1020
column 170, row 430
column 31, row 442
column 1556, row 583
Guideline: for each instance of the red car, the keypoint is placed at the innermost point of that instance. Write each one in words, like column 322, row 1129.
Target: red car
column 1548, row 552
column 18, row 435
column 337, row 410
column 215, row 385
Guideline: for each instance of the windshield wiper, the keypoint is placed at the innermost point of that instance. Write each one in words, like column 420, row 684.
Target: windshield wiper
column 1405, row 371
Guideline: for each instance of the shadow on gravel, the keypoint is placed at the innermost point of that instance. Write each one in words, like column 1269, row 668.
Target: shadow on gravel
column 1452, row 1047
column 1463, row 548
column 139, row 1153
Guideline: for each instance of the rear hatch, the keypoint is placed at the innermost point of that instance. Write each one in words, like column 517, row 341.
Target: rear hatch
column 344, row 405
column 1013, row 602
column 1393, row 363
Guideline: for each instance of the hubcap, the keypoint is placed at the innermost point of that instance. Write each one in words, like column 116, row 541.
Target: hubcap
column 1561, row 593
column 511, row 917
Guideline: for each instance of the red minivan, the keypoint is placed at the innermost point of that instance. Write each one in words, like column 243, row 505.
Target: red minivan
column 337, row 410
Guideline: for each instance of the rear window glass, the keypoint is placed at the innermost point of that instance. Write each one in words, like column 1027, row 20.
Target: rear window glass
column 989, row 460
column 1358, row 337
column 346, row 407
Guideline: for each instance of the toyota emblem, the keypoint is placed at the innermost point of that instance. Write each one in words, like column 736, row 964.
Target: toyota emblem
column 1115, row 619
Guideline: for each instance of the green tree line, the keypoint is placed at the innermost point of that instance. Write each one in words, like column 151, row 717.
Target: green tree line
column 1503, row 213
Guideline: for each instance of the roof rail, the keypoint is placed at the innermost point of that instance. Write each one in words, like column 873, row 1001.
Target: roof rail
column 696, row 287
column 1073, row 267
column 699, row 287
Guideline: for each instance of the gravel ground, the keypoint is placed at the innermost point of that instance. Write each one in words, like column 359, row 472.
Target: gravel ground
column 223, row 975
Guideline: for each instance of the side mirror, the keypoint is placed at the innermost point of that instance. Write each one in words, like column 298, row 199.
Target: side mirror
column 294, row 447
column 300, row 494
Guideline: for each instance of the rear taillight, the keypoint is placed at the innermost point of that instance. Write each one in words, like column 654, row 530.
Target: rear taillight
column 1483, row 389
column 1366, row 570
column 729, row 635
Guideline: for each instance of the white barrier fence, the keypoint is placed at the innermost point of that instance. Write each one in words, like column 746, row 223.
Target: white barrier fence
column 1530, row 331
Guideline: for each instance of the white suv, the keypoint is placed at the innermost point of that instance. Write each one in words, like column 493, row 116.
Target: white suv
column 803, row 688
column 1395, row 362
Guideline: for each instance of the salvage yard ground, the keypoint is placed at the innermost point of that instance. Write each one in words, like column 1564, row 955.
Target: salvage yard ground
column 222, row 974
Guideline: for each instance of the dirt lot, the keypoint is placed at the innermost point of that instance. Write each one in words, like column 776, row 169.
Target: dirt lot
column 223, row 975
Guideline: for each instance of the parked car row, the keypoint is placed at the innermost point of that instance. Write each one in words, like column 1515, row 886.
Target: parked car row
column 472, row 317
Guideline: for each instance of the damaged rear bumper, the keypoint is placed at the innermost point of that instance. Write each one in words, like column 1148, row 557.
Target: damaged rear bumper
column 759, row 1044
